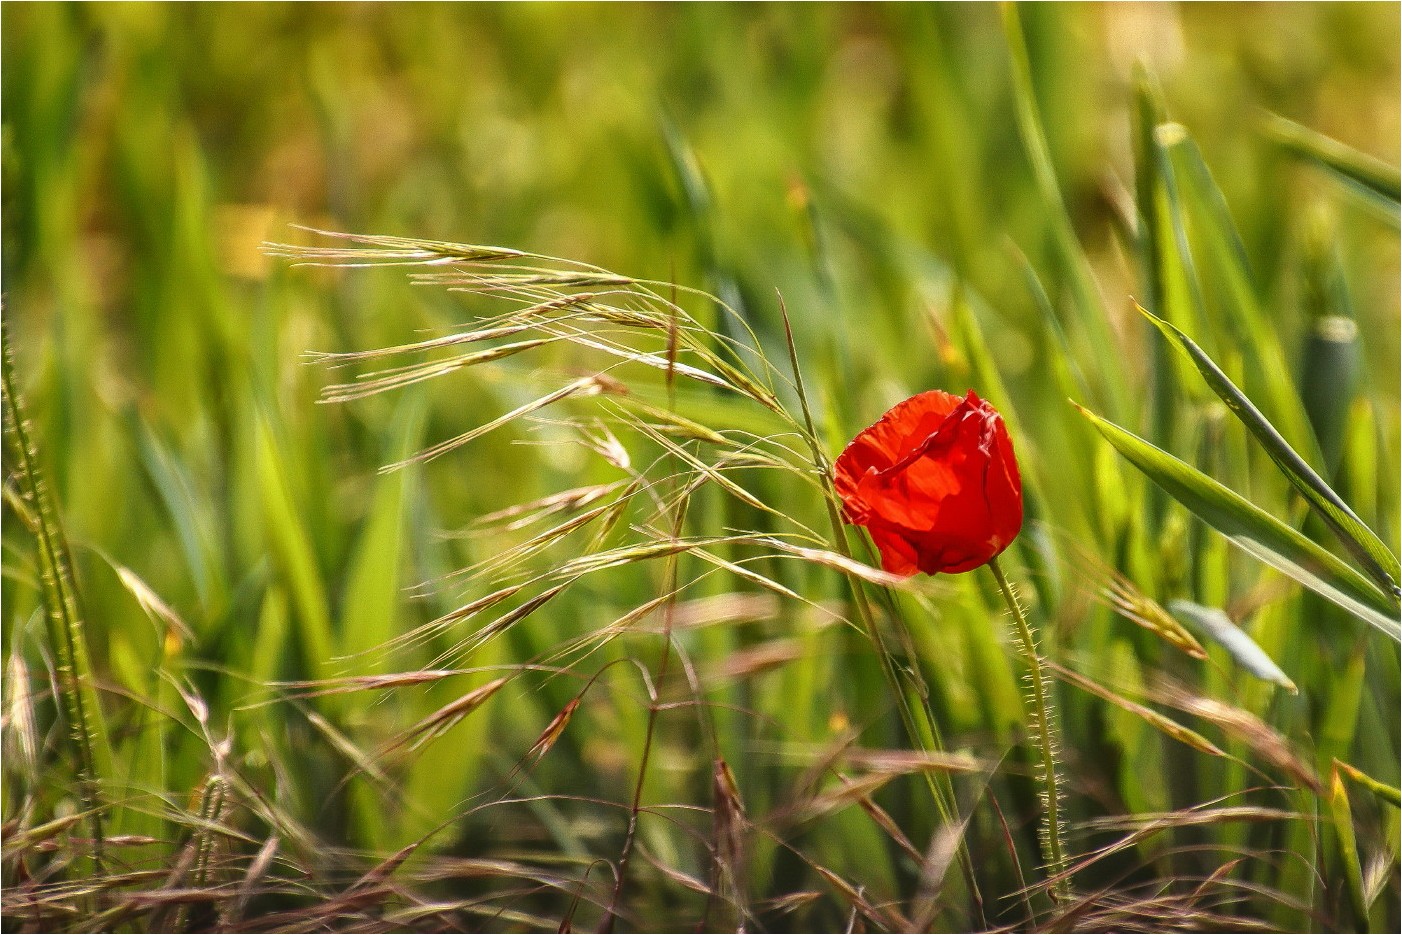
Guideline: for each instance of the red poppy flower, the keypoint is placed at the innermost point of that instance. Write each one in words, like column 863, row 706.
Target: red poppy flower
column 935, row 483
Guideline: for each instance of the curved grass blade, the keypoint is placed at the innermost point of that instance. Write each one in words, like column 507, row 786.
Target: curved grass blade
column 1255, row 531
column 1362, row 543
column 1347, row 842
column 1389, row 794
column 1235, row 641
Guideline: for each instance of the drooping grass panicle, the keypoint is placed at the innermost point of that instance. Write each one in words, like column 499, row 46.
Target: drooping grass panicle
column 550, row 287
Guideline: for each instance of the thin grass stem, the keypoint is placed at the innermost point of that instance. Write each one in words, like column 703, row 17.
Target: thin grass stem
column 669, row 588
column 65, row 625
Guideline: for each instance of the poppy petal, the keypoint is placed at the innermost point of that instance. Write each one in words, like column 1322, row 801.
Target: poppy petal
column 936, row 484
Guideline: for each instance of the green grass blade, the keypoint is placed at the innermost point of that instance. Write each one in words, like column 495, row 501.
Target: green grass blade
column 195, row 524
column 1342, row 815
column 1075, row 267
column 1256, row 531
column 372, row 598
column 1175, row 244
column 1361, row 542
column 290, row 544
column 1363, row 172
column 371, row 612
column 1331, row 359
column 1149, row 113
column 1245, row 322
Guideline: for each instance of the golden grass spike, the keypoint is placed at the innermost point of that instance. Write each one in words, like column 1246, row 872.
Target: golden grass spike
column 673, row 424
column 427, row 631
column 1264, row 740
column 840, row 563
column 754, row 660
column 341, row 358
column 519, row 553
column 887, row 917
column 1156, row 720
column 511, row 282
column 234, row 909
column 905, row 762
column 710, row 472
column 535, row 510
column 650, row 360
column 30, row 838
column 740, row 571
column 386, row 250
column 834, row 799
column 550, row 736
column 155, row 608
column 886, row 823
column 613, row 515
column 791, row 902
column 21, row 732
column 1132, row 604
column 395, row 378
column 676, row 876
column 602, row 635
column 728, row 833
column 305, row 690
column 476, row 641
column 585, row 386
column 628, row 554
column 358, row 758
column 1145, row 825
column 438, row 723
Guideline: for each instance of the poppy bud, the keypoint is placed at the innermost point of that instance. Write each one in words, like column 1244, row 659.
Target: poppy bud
column 935, row 483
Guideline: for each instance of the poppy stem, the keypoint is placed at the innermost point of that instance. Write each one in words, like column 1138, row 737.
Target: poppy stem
column 1039, row 714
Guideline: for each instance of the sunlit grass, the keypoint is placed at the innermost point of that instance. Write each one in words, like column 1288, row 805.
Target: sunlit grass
column 420, row 586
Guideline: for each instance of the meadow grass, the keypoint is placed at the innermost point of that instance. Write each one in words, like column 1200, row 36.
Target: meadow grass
column 382, row 582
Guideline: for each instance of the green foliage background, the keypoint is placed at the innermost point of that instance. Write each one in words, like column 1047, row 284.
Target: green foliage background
column 865, row 160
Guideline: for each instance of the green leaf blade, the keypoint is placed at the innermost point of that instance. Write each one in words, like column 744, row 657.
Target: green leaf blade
column 1365, row 546
column 1256, row 531
column 1366, row 172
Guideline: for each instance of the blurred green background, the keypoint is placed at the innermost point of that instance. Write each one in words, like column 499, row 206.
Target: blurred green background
column 858, row 158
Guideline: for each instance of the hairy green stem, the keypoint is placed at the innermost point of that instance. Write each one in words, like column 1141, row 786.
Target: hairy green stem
column 1039, row 715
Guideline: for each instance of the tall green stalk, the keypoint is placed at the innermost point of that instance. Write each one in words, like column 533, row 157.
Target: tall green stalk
column 66, row 637
column 1040, row 718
